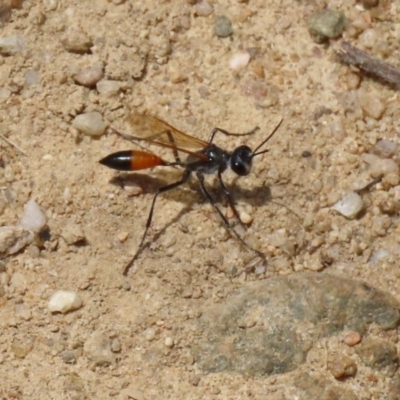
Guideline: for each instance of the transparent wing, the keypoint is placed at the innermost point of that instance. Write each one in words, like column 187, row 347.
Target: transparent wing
column 159, row 132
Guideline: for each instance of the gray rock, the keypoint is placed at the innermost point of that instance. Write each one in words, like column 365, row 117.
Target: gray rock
column 222, row 26
column 327, row 24
column 269, row 326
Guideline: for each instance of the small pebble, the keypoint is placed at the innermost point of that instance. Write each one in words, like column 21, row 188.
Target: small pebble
column 90, row 123
column 89, row 77
column 246, row 218
column 277, row 238
column 17, row 283
column 349, row 205
column 175, row 73
column 21, row 348
column 73, row 234
column 342, row 366
column 4, row 94
column 368, row 38
column 371, row 105
column 77, row 42
column 33, row 219
column 133, row 393
column 385, row 149
column 116, row 346
column 164, row 48
column 64, row 301
column 108, row 88
column 260, row 270
column 327, row 24
column 169, row 342
column 352, row 338
column 13, row 239
column 5, row 13
column 32, row 78
column 222, row 26
column 239, row 60
column 258, row 69
column 12, row 45
column 133, row 189
column 369, row 3
column 256, row 89
column 150, row 334
column 204, row 8
column 337, row 131
column 229, row 212
column 384, row 166
column 68, row 357
column 98, row 349
column 122, row 236
column 378, row 256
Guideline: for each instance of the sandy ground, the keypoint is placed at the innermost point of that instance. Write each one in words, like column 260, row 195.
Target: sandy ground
column 171, row 64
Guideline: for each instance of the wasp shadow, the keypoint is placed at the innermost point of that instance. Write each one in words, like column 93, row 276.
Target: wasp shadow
column 256, row 196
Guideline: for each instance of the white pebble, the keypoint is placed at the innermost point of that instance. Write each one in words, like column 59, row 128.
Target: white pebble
column 239, row 60
column 64, row 301
column 246, row 218
column 108, row 88
column 349, row 205
column 11, row 45
column 90, row 123
column 33, row 219
column 169, row 342
column 150, row 334
column 204, row 8
column 260, row 270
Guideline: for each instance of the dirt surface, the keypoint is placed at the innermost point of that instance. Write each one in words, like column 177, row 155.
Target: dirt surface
column 170, row 63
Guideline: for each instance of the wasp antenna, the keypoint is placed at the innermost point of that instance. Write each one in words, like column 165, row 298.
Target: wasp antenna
column 255, row 153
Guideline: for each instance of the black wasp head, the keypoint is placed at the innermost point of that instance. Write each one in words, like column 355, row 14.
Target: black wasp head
column 242, row 157
column 241, row 160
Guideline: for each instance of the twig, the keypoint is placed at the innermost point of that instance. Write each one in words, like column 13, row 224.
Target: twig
column 375, row 66
column 12, row 144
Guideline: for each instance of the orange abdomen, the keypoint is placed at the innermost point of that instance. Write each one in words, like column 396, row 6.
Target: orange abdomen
column 131, row 160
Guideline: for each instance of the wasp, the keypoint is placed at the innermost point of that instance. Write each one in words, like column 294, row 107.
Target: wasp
column 202, row 158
